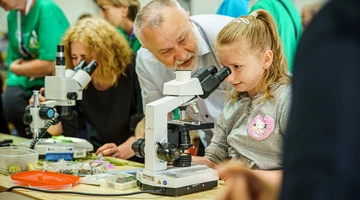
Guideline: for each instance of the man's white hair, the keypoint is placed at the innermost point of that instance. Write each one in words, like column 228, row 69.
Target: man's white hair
column 153, row 15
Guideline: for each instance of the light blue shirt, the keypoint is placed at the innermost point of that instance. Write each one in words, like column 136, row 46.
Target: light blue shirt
column 234, row 8
column 152, row 74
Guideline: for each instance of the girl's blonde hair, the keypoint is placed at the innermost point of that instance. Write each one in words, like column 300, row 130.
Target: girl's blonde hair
column 112, row 51
column 133, row 5
column 260, row 33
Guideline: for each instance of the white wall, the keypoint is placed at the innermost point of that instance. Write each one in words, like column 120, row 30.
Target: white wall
column 3, row 25
column 73, row 9
column 204, row 6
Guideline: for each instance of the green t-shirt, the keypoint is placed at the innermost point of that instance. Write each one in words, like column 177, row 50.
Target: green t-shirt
column 42, row 29
column 289, row 28
column 135, row 44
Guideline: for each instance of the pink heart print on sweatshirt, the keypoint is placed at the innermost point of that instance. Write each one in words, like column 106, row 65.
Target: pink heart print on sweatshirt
column 260, row 128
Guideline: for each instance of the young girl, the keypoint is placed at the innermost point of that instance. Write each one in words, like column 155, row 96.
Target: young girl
column 251, row 127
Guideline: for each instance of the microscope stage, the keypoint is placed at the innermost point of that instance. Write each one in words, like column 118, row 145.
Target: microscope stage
column 77, row 147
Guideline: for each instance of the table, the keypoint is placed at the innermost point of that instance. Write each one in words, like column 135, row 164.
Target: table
column 5, row 183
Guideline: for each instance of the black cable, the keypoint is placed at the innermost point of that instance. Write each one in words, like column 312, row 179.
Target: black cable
column 36, row 139
column 159, row 191
column 43, row 132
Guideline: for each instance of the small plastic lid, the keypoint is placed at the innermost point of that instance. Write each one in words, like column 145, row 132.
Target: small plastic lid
column 46, row 180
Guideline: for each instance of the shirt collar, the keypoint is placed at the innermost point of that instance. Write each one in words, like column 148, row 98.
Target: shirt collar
column 203, row 46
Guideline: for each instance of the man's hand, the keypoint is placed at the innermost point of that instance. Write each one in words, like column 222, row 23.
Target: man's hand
column 243, row 183
column 122, row 151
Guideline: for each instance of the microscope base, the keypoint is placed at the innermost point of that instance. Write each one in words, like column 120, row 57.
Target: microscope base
column 179, row 180
column 68, row 148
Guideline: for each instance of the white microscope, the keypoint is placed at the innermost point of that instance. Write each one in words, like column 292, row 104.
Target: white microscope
column 168, row 141
column 61, row 93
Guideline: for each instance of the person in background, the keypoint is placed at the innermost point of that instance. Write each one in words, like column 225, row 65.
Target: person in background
column 288, row 22
column 251, row 127
column 35, row 28
column 308, row 12
column 2, row 60
column 4, row 40
column 173, row 40
column 121, row 14
column 84, row 15
column 3, row 123
column 322, row 142
column 233, row 8
column 111, row 106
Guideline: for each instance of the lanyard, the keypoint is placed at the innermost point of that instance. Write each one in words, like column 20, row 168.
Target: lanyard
column 21, row 46
column 131, row 37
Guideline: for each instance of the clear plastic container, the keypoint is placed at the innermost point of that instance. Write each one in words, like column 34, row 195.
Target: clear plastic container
column 17, row 159
column 121, row 181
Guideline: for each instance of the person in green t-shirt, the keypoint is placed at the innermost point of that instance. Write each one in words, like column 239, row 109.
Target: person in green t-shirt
column 288, row 20
column 121, row 14
column 35, row 27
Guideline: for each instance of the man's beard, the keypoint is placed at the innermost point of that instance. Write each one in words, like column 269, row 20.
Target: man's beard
column 192, row 66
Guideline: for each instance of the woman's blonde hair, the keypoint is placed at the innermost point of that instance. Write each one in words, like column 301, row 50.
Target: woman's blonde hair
column 133, row 5
column 112, row 51
column 258, row 30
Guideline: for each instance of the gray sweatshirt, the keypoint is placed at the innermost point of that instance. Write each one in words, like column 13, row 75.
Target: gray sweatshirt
column 252, row 132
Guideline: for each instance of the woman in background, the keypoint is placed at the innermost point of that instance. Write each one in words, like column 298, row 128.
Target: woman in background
column 121, row 14
column 111, row 105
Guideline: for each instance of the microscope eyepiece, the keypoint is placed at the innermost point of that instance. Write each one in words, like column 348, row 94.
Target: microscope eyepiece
column 90, row 68
column 60, row 48
column 212, row 69
column 81, row 65
column 60, row 57
column 202, row 73
column 211, row 82
column 223, row 73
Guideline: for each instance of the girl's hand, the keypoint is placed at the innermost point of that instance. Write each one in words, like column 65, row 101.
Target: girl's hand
column 243, row 183
column 203, row 161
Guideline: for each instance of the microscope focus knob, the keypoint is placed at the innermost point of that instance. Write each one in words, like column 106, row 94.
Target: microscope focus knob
column 27, row 118
column 47, row 112
column 139, row 148
column 168, row 152
column 72, row 95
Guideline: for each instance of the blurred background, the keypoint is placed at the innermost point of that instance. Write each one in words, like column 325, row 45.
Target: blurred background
column 74, row 8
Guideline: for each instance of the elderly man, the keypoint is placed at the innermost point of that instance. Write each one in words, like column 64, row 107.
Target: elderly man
column 171, row 40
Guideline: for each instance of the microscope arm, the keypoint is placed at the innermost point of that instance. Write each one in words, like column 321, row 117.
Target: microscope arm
column 156, row 127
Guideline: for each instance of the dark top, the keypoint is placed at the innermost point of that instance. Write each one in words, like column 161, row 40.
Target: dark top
column 322, row 145
column 107, row 116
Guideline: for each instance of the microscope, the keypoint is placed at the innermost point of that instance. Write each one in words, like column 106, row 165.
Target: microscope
column 61, row 92
column 168, row 141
